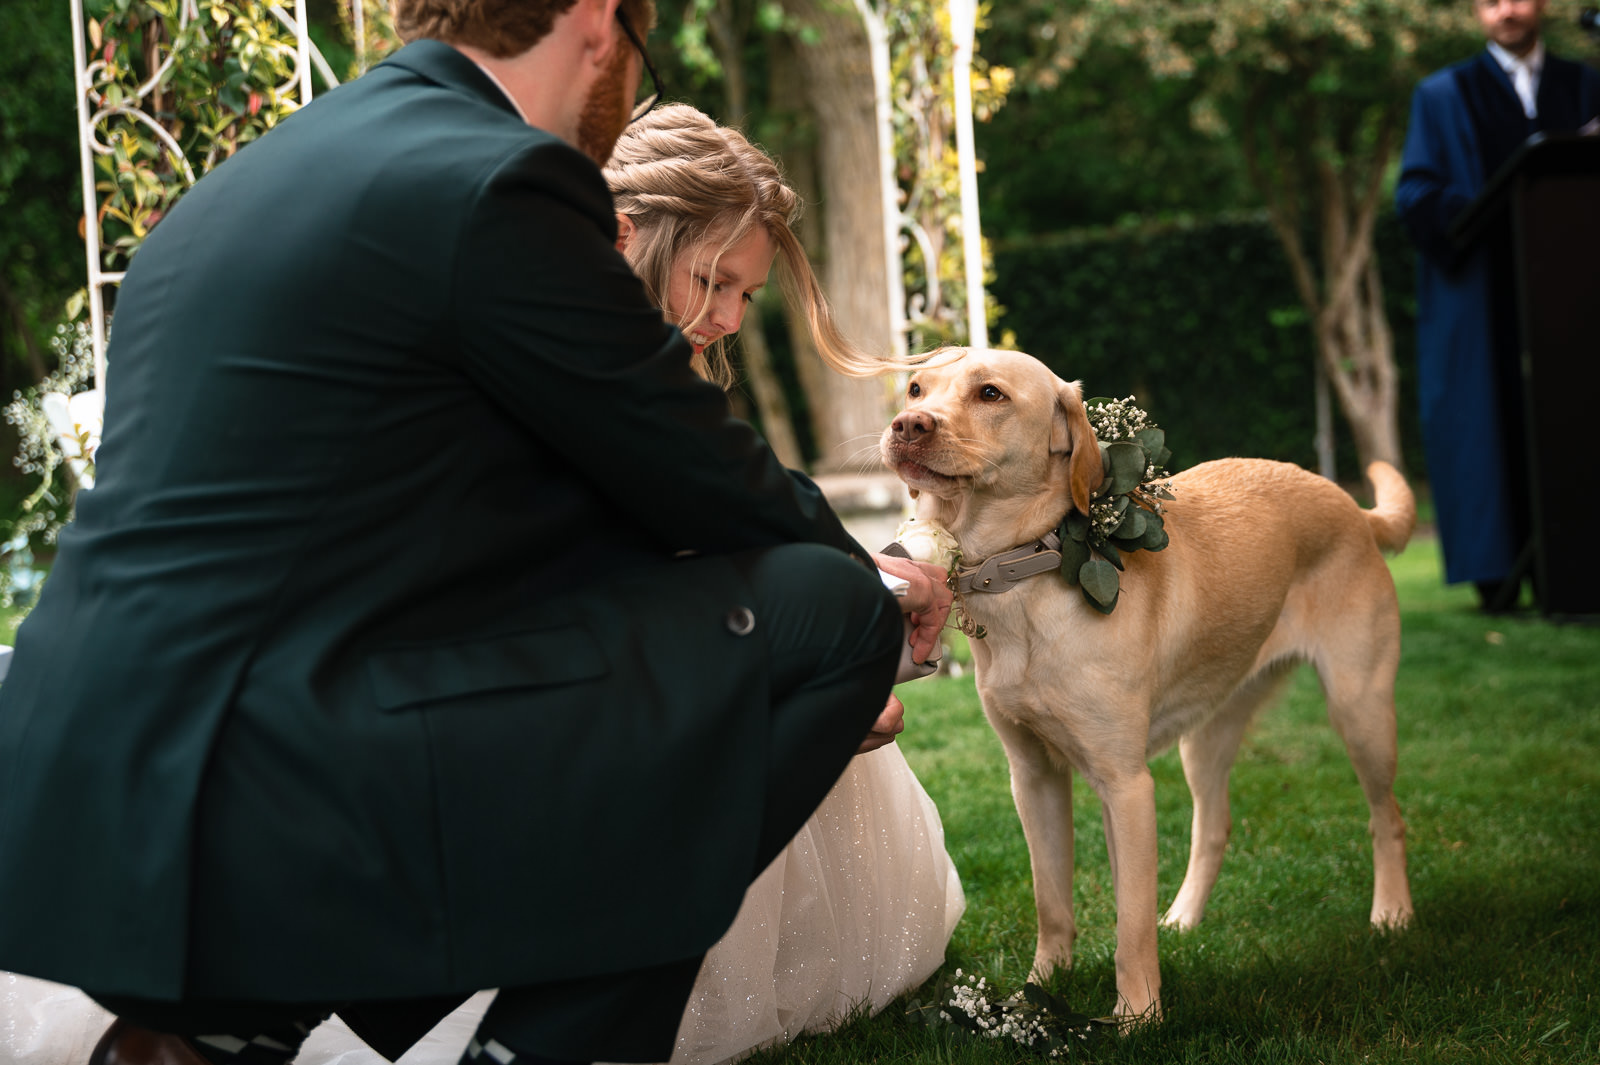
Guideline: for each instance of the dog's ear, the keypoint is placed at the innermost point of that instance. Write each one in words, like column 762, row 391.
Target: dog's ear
column 1072, row 435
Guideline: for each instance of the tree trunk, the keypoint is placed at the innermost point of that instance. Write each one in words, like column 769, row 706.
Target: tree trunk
column 1357, row 348
column 24, row 332
column 848, row 414
column 1345, row 297
column 765, row 387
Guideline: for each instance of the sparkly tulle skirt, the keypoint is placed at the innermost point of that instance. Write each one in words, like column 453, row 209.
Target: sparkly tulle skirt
column 854, row 912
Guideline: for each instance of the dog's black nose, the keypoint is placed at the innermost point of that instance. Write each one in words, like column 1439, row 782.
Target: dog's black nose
column 912, row 425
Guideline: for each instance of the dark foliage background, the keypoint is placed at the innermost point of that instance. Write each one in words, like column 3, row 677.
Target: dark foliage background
column 1199, row 320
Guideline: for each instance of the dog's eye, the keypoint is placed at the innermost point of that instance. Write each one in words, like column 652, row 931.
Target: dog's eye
column 989, row 394
column 914, row 390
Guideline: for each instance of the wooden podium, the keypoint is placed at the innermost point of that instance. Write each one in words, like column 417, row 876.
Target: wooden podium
column 1548, row 194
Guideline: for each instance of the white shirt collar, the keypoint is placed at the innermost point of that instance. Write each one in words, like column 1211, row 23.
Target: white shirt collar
column 503, row 91
column 1534, row 60
column 1524, row 74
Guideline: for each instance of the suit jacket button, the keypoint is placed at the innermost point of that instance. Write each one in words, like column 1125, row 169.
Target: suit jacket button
column 741, row 621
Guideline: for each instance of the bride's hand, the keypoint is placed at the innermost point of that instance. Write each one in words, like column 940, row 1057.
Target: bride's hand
column 890, row 723
column 926, row 602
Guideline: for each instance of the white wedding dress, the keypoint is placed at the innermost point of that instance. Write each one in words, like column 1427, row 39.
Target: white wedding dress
column 855, row 911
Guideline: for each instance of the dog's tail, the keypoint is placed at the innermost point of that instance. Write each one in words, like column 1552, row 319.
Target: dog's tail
column 1394, row 514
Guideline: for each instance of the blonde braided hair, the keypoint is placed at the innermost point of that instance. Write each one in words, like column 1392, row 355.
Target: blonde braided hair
column 683, row 180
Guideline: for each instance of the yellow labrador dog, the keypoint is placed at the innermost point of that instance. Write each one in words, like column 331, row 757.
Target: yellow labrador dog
column 1268, row 565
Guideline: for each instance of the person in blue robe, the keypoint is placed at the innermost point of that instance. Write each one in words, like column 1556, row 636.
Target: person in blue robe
column 1466, row 122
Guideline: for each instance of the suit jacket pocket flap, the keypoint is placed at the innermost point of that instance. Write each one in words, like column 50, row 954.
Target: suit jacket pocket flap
column 409, row 676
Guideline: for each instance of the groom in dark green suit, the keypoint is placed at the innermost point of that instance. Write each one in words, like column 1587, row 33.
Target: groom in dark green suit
column 431, row 626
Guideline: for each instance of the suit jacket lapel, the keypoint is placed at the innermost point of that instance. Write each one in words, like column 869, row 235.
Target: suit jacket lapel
column 1495, row 110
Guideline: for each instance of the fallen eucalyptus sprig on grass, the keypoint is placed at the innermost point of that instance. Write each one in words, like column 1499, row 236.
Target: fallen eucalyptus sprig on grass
column 1032, row 1018
column 1125, row 514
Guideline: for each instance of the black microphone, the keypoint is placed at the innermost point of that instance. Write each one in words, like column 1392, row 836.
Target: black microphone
column 1589, row 19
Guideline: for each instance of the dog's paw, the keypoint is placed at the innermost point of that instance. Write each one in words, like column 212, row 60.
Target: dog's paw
column 1044, row 967
column 1392, row 918
column 1127, row 1018
column 1181, row 920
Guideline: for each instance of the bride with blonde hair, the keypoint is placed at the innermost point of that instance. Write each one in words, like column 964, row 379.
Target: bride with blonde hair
column 860, row 905
column 692, row 195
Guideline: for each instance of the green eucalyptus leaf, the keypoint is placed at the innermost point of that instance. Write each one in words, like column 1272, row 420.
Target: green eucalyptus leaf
column 1111, row 554
column 1058, row 1008
column 1073, row 555
column 1132, row 526
column 1100, row 584
column 1076, row 526
column 1160, row 457
column 1127, row 461
column 1154, row 537
column 1104, row 608
column 1151, row 438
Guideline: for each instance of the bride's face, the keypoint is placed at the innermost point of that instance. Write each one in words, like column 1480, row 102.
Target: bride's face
column 707, row 302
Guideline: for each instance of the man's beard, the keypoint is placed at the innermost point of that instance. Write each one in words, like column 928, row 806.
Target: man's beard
column 605, row 113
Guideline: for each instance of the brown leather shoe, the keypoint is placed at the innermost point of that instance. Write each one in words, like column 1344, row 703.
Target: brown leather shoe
column 124, row 1044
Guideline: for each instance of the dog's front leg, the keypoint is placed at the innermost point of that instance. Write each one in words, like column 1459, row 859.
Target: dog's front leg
column 1129, row 809
column 1041, row 787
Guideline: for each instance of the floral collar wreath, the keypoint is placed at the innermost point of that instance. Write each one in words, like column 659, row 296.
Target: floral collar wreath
column 1087, row 549
column 1125, row 514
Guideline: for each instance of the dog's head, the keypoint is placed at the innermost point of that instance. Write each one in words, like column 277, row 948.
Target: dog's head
column 995, row 424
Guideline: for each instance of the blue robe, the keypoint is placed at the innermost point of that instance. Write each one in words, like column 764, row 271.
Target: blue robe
column 1466, row 121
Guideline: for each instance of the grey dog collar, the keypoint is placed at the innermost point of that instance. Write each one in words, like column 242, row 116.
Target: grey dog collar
column 999, row 572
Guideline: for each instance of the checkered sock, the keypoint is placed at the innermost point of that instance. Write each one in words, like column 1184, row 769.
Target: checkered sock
column 275, row 1046
column 486, row 1050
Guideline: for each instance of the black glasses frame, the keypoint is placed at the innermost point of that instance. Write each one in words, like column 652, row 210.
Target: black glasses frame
column 643, row 107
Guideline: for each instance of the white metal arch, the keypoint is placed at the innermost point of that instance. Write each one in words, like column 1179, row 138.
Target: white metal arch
column 963, row 23
column 963, row 28
column 94, row 112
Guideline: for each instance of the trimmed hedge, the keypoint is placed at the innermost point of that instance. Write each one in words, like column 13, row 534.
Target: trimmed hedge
column 1200, row 321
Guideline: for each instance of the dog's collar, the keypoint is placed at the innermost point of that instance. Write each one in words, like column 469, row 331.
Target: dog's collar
column 998, row 573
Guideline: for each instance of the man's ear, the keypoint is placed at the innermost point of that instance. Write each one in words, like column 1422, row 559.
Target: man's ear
column 1072, row 435
column 601, row 32
column 624, row 232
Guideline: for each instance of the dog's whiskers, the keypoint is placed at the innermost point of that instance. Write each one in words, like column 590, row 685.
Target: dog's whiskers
column 864, row 459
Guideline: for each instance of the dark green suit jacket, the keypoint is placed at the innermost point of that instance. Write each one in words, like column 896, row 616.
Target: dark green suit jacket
column 366, row 669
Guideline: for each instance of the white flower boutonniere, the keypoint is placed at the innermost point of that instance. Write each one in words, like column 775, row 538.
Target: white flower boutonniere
column 927, row 541
column 77, row 421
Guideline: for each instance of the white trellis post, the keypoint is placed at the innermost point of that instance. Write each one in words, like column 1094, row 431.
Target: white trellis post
column 93, row 110
column 878, row 41
column 963, row 27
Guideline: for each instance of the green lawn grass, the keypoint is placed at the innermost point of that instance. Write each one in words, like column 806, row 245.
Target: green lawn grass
column 1499, row 722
